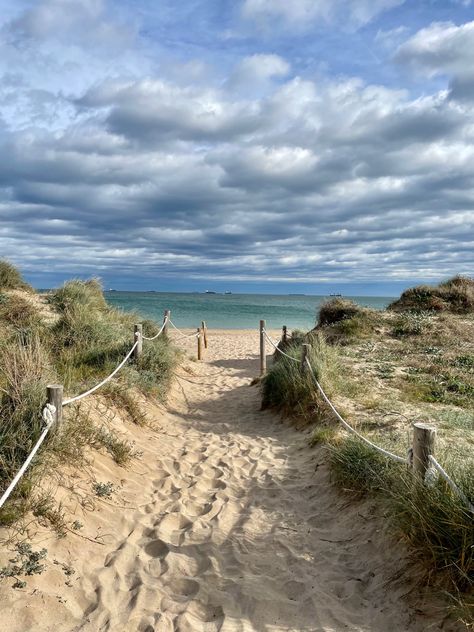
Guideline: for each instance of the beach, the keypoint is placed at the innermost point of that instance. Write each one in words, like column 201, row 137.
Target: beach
column 225, row 521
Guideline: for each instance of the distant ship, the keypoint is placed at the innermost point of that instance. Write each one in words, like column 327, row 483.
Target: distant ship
column 227, row 292
column 209, row 292
column 338, row 295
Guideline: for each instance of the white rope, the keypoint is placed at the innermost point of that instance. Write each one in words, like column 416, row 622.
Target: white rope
column 183, row 335
column 160, row 332
column 48, row 415
column 104, row 381
column 450, row 482
column 277, row 348
column 395, row 457
column 194, row 335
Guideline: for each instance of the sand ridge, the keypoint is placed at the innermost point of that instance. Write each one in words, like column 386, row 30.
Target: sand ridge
column 236, row 527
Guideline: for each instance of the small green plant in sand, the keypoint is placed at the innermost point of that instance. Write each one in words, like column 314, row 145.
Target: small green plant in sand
column 27, row 562
column 103, row 490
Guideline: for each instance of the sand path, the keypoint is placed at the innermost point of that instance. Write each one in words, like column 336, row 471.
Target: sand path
column 240, row 529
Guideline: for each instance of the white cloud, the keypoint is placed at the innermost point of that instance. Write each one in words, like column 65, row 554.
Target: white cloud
column 441, row 48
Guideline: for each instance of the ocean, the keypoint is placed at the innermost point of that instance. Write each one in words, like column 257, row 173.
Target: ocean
column 232, row 311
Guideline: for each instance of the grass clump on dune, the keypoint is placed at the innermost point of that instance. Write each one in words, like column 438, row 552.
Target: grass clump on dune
column 77, row 341
column 10, row 277
column 24, row 374
column 90, row 338
column 288, row 388
column 434, row 520
column 343, row 320
column 455, row 295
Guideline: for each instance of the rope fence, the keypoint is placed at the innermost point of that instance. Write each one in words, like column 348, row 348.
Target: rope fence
column 420, row 457
column 52, row 411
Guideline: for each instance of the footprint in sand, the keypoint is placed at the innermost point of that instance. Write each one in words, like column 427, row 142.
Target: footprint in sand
column 200, row 617
column 157, row 550
column 172, row 528
column 179, row 591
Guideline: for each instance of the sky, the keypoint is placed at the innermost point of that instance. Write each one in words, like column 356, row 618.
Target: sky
column 255, row 145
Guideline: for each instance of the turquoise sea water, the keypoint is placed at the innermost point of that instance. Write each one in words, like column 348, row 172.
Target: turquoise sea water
column 231, row 311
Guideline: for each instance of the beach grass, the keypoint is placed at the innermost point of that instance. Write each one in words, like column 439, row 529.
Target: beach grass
column 383, row 374
column 75, row 339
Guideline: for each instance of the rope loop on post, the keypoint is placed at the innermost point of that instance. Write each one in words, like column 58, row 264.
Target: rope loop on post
column 49, row 414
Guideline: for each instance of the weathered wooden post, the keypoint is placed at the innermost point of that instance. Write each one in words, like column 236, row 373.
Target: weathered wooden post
column 284, row 334
column 54, row 395
column 424, row 437
column 263, row 355
column 204, row 332
column 199, row 341
column 166, row 320
column 138, row 334
column 305, row 354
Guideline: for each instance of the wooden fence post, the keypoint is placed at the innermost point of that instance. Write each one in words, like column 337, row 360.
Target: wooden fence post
column 424, row 436
column 166, row 319
column 199, row 341
column 138, row 334
column 263, row 355
column 54, row 395
column 204, row 332
column 306, row 349
column 284, row 334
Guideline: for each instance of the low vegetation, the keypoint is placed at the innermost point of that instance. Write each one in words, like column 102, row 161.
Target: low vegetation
column 10, row 278
column 342, row 320
column 384, row 371
column 455, row 295
column 71, row 336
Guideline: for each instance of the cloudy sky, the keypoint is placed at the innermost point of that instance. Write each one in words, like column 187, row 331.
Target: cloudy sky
column 261, row 145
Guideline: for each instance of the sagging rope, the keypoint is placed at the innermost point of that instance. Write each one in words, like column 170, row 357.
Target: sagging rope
column 348, row 427
column 48, row 416
column 183, row 335
column 104, row 381
column 278, row 348
column 160, row 332
column 48, row 413
column 395, row 457
column 437, row 466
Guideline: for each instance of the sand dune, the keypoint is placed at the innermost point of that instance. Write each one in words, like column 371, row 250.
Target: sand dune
column 229, row 523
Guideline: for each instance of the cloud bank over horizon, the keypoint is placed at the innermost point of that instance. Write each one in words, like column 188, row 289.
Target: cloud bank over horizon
column 263, row 143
